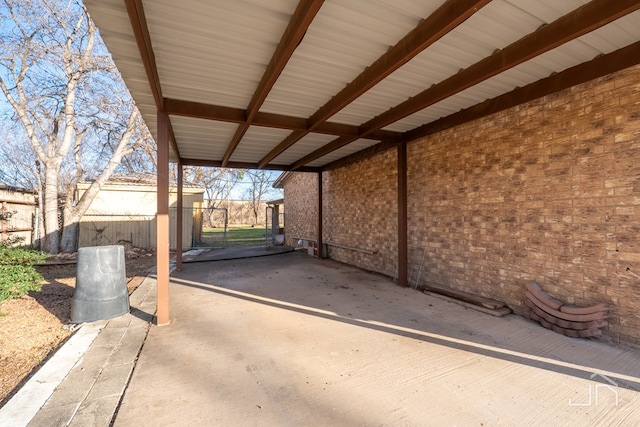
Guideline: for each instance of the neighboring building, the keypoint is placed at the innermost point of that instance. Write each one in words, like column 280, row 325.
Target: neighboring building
column 547, row 191
column 124, row 212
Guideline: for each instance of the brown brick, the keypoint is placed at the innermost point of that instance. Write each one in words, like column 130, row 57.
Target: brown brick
column 547, row 191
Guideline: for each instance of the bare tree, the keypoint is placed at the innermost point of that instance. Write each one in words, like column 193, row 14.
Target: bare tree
column 74, row 110
column 261, row 188
column 218, row 182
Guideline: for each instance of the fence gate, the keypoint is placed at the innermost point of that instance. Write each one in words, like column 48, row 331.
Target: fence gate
column 210, row 226
column 211, row 229
column 274, row 226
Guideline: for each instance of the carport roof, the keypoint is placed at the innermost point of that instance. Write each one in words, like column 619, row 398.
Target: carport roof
column 312, row 84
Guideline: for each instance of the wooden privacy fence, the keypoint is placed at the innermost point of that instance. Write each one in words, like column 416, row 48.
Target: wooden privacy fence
column 19, row 218
column 117, row 229
column 132, row 229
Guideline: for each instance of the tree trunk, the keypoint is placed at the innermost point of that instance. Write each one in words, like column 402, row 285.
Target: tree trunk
column 51, row 224
column 70, row 232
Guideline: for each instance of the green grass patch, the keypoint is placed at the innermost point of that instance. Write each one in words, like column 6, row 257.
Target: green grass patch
column 17, row 274
column 236, row 232
column 243, row 235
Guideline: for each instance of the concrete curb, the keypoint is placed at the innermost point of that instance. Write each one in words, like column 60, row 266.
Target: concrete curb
column 83, row 383
column 24, row 405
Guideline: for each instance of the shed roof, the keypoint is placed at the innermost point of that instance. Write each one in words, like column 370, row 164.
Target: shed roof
column 138, row 181
column 311, row 84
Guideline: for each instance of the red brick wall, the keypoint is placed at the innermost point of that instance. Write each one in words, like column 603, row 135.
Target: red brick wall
column 301, row 207
column 547, row 191
column 360, row 211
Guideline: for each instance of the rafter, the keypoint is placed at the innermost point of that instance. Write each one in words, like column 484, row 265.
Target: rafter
column 199, row 110
column 322, row 151
column 135, row 10
column 569, row 27
column 293, row 34
column 598, row 67
column 574, row 24
column 582, row 73
column 443, row 20
column 243, row 165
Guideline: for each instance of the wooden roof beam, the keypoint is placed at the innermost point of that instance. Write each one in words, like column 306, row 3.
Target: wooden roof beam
column 447, row 17
column 242, row 165
column 302, row 17
column 598, row 67
column 199, row 110
column 581, row 21
column 569, row 27
column 135, row 10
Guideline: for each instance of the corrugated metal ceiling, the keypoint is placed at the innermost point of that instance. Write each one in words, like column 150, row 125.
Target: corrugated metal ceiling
column 216, row 54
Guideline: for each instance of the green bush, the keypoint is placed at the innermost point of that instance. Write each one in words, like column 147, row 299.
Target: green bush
column 17, row 274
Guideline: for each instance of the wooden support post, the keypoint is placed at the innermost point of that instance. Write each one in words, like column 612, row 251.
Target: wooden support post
column 403, row 263
column 275, row 220
column 319, row 237
column 179, row 204
column 162, row 221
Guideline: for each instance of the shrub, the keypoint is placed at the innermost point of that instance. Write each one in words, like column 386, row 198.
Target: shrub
column 17, row 274
column 9, row 241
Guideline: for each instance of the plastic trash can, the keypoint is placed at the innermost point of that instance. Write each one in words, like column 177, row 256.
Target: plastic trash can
column 101, row 284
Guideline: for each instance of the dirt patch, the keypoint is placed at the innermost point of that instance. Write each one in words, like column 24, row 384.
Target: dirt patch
column 34, row 326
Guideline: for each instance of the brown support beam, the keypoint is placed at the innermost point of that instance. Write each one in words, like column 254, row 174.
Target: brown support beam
column 447, row 17
column 296, row 29
column 197, row 110
column 581, row 21
column 138, row 20
column 179, row 206
column 582, row 73
column 327, row 128
column 162, row 221
column 598, row 67
column 172, row 141
column 403, row 250
column 135, row 10
column 322, row 151
column 282, row 147
column 243, row 165
column 319, row 241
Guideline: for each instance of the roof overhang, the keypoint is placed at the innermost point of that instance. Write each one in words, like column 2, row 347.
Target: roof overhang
column 311, row 85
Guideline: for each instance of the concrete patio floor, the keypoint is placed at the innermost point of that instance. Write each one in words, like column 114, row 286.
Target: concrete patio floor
column 291, row 340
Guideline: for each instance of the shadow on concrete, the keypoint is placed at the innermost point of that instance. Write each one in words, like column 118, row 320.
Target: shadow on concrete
column 340, row 299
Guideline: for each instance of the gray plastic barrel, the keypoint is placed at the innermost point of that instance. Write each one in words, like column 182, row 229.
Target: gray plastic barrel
column 101, row 284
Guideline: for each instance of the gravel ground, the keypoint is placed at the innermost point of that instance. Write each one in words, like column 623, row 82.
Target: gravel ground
column 34, row 326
